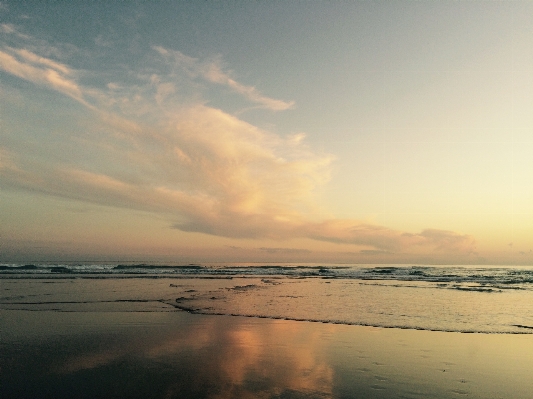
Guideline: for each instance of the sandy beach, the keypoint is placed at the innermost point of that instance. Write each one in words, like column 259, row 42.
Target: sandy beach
column 108, row 347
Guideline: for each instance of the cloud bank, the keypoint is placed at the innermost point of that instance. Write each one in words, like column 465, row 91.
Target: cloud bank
column 204, row 169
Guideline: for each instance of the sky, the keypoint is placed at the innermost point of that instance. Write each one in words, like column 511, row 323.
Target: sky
column 302, row 131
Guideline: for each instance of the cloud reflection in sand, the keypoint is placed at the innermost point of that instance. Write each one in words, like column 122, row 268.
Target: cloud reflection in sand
column 222, row 357
column 178, row 355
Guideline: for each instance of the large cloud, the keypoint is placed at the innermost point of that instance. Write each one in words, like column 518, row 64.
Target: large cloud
column 202, row 168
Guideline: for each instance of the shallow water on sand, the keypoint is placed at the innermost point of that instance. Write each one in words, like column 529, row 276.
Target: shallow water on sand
column 373, row 301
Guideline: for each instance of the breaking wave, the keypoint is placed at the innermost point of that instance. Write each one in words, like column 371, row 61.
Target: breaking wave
column 480, row 279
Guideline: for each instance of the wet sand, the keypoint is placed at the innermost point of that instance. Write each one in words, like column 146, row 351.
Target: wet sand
column 47, row 354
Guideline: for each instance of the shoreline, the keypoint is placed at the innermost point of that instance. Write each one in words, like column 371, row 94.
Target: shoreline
column 349, row 302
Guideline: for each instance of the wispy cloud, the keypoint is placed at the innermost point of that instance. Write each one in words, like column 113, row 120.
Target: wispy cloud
column 212, row 72
column 202, row 168
column 40, row 70
column 36, row 59
column 7, row 28
column 12, row 30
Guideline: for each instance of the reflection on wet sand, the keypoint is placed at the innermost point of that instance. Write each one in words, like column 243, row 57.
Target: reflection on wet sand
column 240, row 357
column 179, row 355
column 189, row 356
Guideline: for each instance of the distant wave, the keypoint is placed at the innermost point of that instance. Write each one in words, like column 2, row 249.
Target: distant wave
column 481, row 279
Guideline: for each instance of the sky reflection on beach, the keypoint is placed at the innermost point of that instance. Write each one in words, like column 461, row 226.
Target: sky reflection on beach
column 171, row 355
column 190, row 356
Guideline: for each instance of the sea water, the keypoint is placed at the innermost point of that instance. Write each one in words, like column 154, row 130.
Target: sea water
column 473, row 299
